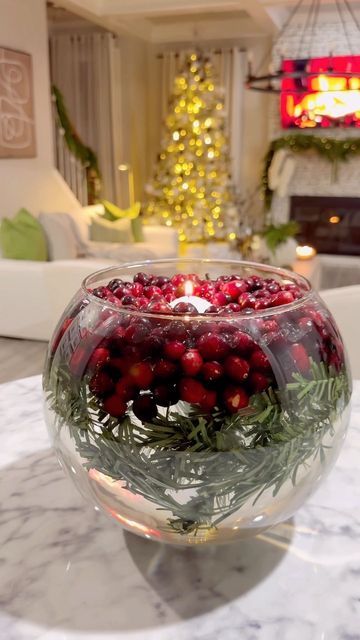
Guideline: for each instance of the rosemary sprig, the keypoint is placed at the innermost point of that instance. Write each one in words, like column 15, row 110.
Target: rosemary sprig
column 226, row 461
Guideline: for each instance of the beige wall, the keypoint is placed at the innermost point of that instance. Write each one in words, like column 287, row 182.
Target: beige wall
column 31, row 182
column 133, row 123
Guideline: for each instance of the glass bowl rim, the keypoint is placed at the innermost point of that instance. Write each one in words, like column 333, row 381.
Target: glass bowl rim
column 211, row 317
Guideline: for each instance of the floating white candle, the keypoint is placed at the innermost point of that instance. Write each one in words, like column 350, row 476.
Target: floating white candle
column 200, row 304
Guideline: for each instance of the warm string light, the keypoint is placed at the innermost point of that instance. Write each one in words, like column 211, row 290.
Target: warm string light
column 190, row 189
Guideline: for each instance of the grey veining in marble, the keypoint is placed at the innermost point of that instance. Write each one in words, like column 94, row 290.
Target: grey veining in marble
column 68, row 573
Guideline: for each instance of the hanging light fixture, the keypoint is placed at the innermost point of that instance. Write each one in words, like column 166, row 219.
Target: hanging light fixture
column 296, row 75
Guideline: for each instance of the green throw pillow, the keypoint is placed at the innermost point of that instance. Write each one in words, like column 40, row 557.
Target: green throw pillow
column 102, row 230
column 23, row 238
column 113, row 212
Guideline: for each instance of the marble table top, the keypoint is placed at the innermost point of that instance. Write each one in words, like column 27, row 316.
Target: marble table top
column 69, row 573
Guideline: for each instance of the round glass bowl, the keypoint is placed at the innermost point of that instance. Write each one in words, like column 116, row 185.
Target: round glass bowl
column 191, row 427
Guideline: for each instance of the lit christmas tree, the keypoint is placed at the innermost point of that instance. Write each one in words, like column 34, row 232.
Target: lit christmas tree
column 191, row 188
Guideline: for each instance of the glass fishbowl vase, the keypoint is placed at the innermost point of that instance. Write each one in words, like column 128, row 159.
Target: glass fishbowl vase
column 196, row 401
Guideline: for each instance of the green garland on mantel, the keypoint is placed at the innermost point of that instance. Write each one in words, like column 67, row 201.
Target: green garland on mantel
column 333, row 150
column 82, row 152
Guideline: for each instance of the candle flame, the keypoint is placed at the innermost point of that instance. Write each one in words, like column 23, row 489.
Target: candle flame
column 188, row 288
column 305, row 252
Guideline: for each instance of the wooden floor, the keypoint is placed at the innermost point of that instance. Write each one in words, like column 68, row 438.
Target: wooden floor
column 20, row 358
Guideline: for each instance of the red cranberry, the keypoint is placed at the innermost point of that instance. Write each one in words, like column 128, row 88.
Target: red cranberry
column 117, row 339
column 143, row 278
column 242, row 343
column 273, row 287
column 234, row 288
column 207, row 291
column 152, row 344
column 191, row 362
column 199, row 328
column 235, row 398
column 274, row 339
column 209, row 401
column 246, row 300
column 101, row 384
column 165, row 368
column 151, row 291
column 137, row 331
column 141, row 374
column 236, row 368
column 165, row 395
column 98, row 358
column 114, row 300
column 258, row 381
column 176, row 330
column 161, row 281
column 316, row 317
column 254, row 283
column 65, row 325
column 159, row 306
column 283, row 297
column 212, row 309
column 115, row 406
column 100, row 292
column 177, row 279
column 185, row 308
column 221, row 299
column 144, row 407
column 262, row 303
column 300, row 357
column 168, row 289
column 174, row 349
column 113, row 284
column 136, row 289
column 212, row 371
column 258, row 360
column 120, row 291
column 128, row 301
column 126, row 389
column 306, row 324
column 213, row 346
column 191, row 390
column 270, row 325
column 142, row 302
column 232, row 308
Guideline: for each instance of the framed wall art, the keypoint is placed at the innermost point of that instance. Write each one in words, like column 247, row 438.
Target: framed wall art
column 17, row 122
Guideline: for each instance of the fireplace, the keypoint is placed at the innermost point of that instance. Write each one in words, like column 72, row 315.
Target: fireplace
column 330, row 224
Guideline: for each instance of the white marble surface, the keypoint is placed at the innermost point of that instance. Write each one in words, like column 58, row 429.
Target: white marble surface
column 68, row 573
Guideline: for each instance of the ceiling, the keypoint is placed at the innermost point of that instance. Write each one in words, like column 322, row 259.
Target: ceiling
column 163, row 21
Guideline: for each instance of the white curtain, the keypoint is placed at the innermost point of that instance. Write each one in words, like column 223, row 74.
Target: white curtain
column 230, row 66
column 86, row 69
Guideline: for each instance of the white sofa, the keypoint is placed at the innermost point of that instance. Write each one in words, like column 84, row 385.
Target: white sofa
column 34, row 294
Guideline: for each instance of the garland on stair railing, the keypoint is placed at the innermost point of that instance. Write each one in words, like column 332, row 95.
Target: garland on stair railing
column 329, row 148
column 81, row 151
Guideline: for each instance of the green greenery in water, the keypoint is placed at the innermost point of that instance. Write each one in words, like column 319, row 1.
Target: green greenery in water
column 224, row 460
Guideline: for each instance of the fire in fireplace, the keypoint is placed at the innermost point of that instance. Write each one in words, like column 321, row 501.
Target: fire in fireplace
column 330, row 224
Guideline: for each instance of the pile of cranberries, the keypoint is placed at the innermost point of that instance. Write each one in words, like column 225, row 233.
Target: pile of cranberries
column 216, row 361
column 227, row 294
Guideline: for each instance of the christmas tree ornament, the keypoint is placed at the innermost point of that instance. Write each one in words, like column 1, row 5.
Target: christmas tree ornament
column 191, row 189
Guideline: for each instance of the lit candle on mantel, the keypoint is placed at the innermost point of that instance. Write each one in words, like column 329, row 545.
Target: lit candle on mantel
column 305, row 252
column 200, row 304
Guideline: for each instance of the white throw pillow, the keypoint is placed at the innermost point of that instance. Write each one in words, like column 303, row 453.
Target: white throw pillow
column 60, row 235
column 82, row 217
